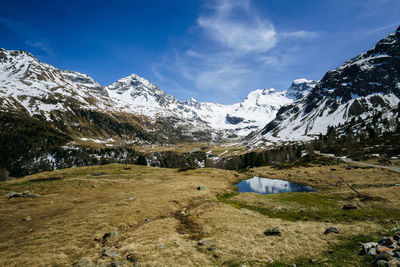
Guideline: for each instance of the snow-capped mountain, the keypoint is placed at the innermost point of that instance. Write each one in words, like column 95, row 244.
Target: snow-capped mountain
column 360, row 87
column 39, row 88
column 58, row 96
column 140, row 96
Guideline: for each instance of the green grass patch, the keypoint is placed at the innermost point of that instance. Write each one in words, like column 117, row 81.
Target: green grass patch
column 311, row 207
column 346, row 253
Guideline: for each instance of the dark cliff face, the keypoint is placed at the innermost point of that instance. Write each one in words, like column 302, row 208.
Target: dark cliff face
column 375, row 71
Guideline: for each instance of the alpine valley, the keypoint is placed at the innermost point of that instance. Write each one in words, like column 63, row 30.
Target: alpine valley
column 52, row 118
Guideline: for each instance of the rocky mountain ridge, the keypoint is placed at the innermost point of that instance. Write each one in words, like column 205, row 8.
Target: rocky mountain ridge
column 362, row 86
column 40, row 90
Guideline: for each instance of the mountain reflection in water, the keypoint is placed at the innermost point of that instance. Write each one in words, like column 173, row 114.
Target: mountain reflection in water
column 267, row 186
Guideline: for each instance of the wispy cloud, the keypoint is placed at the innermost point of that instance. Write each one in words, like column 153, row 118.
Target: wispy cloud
column 31, row 37
column 382, row 28
column 300, row 34
column 251, row 35
column 234, row 47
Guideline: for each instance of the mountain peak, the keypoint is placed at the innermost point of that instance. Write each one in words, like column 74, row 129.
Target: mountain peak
column 300, row 87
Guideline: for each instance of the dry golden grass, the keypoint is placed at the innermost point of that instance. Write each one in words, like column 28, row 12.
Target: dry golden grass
column 71, row 212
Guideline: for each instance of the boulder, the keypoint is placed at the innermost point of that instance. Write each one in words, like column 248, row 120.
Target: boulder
column 109, row 235
column 13, row 194
column 384, row 255
column 369, row 248
column 132, row 257
column 273, row 231
column 349, row 207
column 331, row 230
column 27, row 219
column 202, row 188
column 380, row 263
column 109, row 252
column 385, row 241
column 394, row 263
column 396, row 236
column 209, row 244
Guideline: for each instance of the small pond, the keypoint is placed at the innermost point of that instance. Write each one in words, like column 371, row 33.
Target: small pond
column 267, row 186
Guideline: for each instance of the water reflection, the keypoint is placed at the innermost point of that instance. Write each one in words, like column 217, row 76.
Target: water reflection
column 267, row 186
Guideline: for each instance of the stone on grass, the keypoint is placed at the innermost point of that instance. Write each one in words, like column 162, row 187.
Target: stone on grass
column 394, row 263
column 396, row 236
column 384, row 255
column 349, row 207
column 331, row 230
column 132, row 257
column 395, row 229
column 385, row 241
column 202, row 188
column 13, row 194
column 381, row 263
column 369, row 248
column 272, row 231
column 209, row 244
column 27, row 219
column 109, row 252
column 397, row 254
column 109, row 235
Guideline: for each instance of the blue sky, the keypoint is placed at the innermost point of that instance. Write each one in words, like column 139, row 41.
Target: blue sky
column 215, row 51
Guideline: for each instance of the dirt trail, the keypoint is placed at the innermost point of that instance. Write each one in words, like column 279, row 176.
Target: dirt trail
column 395, row 169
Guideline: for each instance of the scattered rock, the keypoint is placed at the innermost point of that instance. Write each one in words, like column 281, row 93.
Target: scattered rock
column 369, row 248
column 381, row 263
column 27, row 219
column 202, row 188
column 13, row 194
column 161, row 247
column 312, row 260
column 132, row 257
column 396, row 236
column 349, row 207
column 109, row 235
column 131, row 199
column 97, row 238
column 94, row 186
column 272, row 231
column 208, row 244
column 147, row 220
column 331, row 230
column 385, row 241
column 109, row 252
column 384, row 255
column 394, row 263
column 395, row 229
